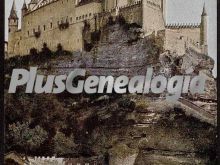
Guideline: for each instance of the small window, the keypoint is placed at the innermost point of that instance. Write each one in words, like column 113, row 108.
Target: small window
column 77, row 18
column 86, row 15
column 51, row 25
column 90, row 14
column 9, row 30
column 28, row 33
column 44, row 27
column 71, row 19
column 39, row 27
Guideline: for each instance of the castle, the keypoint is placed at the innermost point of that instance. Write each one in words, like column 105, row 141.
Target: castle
column 71, row 23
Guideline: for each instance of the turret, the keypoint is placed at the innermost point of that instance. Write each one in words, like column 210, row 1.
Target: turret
column 32, row 4
column 24, row 9
column 204, row 30
column 110, row 4
column 76, row 2
column 13, row 19
column 163, row 8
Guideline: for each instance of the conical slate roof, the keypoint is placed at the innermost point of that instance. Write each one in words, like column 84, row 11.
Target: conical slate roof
column 24, row 7
column 13, row 13
column 204, row 13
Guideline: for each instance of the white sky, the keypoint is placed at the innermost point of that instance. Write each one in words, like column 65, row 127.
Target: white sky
column 178, row 11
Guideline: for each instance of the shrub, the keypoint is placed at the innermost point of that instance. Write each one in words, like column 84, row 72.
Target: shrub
column 33, row 51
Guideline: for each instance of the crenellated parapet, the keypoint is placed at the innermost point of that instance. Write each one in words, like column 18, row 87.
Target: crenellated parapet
column 132, row 5
column 182, row 25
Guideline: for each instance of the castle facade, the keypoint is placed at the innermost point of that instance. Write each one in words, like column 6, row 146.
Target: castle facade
column 68, row 22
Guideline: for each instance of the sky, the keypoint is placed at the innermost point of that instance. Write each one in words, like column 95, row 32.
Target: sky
column 178, row 11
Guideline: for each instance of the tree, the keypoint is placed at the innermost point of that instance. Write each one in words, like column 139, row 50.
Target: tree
column 33, row 52
column 63, row 145
column 20, row 134
column 45, row 50
column 59, row 49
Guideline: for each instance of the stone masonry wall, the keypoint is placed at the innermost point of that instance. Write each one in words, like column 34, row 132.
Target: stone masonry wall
column 176, row 38
column 57, row 12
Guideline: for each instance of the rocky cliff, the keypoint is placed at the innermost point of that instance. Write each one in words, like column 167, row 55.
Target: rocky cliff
column 126, row 129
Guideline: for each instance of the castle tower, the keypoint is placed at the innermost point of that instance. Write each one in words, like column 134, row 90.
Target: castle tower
column 13, row 19
column 163, row 7
column 24, row 9
column 110, row 4
column 76, row 2
column 204, row 30
column 12, row 28
column 152, row 17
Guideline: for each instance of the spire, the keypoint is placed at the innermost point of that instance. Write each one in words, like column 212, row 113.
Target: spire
column 24, row 7
column 204, row 13
column 13, row 13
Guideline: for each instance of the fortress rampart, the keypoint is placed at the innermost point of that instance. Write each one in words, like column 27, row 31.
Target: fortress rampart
column 63, row 22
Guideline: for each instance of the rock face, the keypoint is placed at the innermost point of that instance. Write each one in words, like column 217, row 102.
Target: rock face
column 139, row 129
column 124, row 53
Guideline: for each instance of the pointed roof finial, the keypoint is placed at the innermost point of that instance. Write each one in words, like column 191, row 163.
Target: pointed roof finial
column 204, row 13
column 24, row 7
column 13, row 13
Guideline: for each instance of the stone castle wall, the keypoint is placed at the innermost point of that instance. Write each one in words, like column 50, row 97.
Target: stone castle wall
column 132, row 13
column 62, row 21
column 48, row 25
column 60, row 12
column 152, row 17
column 178, row 38
column 14, row 41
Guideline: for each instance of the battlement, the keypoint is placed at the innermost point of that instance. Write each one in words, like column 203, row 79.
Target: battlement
column 130, row 7
column 134, row 4
column 182, row 25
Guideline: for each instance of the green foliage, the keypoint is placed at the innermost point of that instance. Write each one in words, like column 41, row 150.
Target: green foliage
column 20, row 134
column 126, row 103
column 64, row 145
